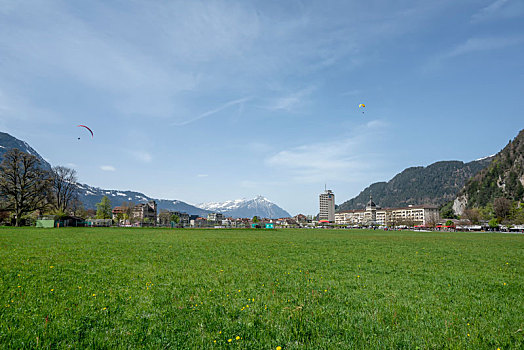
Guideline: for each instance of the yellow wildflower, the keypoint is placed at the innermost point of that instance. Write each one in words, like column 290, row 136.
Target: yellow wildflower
column 237, row 338
column 229, row 340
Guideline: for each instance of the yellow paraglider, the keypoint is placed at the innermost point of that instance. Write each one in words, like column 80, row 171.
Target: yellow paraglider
column 362, row 106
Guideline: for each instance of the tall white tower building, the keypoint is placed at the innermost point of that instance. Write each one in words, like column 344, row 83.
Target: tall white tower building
column 327, row 206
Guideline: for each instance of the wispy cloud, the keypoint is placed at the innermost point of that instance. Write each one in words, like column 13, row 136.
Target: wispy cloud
column 353, row 92
column 482, row 44
column 107, row 168
column 473, row 46
column 292, row 101
column 226, row 105
column 499, row 9
column 202, row 175
column 142, row 156
column 332, row 160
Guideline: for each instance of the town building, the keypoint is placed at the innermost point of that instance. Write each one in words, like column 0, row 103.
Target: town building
column 327, row 206
column 412, row 215
column 215, row 218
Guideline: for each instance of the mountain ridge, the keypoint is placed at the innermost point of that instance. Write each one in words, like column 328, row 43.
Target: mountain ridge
column 503, row 177
column 434, row 184
column 90, row 195
column 239, row 208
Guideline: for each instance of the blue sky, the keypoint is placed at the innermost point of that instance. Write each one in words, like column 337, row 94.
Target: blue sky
column 216, row 100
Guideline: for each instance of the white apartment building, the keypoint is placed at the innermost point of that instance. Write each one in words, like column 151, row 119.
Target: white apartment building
column 411, row 215
column 215, row 217
column 327, row 206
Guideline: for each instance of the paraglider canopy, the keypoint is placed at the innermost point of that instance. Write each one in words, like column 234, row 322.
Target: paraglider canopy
column 83, row 126
column 362, row 106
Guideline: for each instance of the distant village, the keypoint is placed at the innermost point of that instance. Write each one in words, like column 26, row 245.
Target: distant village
column 147, row 214
column 372, row 216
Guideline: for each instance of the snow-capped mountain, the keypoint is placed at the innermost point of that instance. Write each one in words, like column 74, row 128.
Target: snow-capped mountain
column 246, row 208
column 91, row 195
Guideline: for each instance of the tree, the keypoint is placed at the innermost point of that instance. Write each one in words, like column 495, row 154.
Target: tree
column 103, row 209
column 486, row 213
column 472, row 215
column 432, row 220
column 77, row 208
column 493, row 223
column 255, row 219
column 501, row 207
column 64, row 188
column 127, row 209
column 446, row 212
column 164, row 217
column 24, row 185
column 175, row 218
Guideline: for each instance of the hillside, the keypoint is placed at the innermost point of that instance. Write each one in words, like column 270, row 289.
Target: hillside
column 89, row 195
column 435, row 184
column 8, row 142
column 504, row 177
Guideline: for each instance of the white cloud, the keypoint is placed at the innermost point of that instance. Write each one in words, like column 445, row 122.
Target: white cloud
column 240, row 102
column 482, row 44
column 499, row 9
column 292, row 101
column 107, row 168
column 472, row 46
column 142, row 156
column 343, row 159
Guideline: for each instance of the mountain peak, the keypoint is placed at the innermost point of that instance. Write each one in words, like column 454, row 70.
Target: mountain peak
column 258, row 206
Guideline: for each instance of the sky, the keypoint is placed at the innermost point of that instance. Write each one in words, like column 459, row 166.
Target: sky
column 205, row 101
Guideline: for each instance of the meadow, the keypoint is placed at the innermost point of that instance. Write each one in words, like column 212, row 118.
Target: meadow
column 260, row 289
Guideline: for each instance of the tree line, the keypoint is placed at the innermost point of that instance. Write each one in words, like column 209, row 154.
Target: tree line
column 500, row 211
column 27, row 187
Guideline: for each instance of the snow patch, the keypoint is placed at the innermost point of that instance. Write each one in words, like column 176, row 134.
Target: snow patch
column 491, row 156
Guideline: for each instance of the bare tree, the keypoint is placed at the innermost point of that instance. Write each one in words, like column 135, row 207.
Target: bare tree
column 24, row 185
column 77, row 208
column 472, row 215
column 501, row 207
column 64, row 188
column 432, row 219
column 164, row 217
column 127, row 210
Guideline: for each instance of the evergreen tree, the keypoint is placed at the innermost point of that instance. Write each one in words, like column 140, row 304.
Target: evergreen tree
column 103, row 209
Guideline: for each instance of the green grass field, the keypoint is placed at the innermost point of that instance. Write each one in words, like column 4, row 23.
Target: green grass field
column 257, row 289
